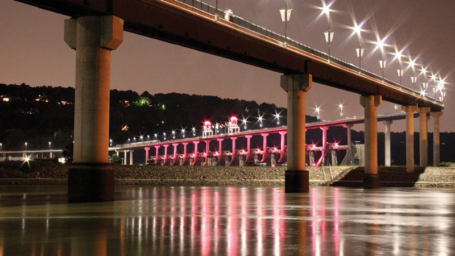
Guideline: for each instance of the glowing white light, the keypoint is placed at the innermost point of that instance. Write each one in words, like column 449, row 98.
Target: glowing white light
column 423, row 71
column 422, row 93
column 326, row 9
column 27, row 159
column 357, row 29
column 380, row 44
column 411, row 63
column 260, row 118
column 433, row 77
column 398, row 55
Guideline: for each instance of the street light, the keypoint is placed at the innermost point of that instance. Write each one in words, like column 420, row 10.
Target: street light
column 382, row 63
column 164, row 135
column 413, row 81
column 244, row 123
column 360, row 50
column 277, row 116
column 183, row 132
column 286, row 16
column 194, row 131
column 25, row 145
column 341, row 109
column 329, row 34
column 400, row 71
column 50, row 145
column 260, row 121
column 216, row 10
column 317, row 109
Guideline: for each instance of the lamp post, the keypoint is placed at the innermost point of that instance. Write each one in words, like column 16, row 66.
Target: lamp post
column 286, row 16
column 329, row 34
column 260, row 121
column 317, row 109
column 399, row 71
column 341, row 109
column 50, row 145
column 383, row 62
column 244, row 123
column 25, row 144
column 413, row 81
column 360, row 50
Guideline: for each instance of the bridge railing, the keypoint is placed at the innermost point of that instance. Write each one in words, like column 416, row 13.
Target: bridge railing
column 280, row 38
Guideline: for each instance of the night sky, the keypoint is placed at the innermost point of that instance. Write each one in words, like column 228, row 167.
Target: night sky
column 32, row 51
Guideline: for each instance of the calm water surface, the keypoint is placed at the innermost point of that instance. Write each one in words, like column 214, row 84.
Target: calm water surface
column 150, row 220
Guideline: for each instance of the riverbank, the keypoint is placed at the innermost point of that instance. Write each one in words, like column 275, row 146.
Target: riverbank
column 53, row 173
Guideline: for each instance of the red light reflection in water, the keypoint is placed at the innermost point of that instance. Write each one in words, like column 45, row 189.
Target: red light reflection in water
column 206, row 227
column 232, row 222
column 314, row 224
column 336, row 219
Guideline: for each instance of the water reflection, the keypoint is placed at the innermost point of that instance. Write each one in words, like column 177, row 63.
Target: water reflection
column 232, row 221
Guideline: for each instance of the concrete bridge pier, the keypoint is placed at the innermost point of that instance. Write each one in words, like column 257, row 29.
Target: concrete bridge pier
column 348, row 134
column 409, row 137
column 387, row 152
column 157, row 160
column 147, row 149
column 248, row 148
column 131, row 156
column 371, row 104
column 174, row 157
column 91, row 177
column 282, row 147
column 423, row 136
column 436, row 140
column 231, row 163
column 296, row 86
column 264, row 147
column 125, row 157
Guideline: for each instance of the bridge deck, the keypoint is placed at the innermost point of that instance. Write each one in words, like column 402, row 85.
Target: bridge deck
column 194, row 27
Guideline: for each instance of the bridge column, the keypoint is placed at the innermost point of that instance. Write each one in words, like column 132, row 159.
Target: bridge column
column 157, row 148
column 125, row 157
column 248, row 148
column 185, row 155
column 387, row 152
column 147, row 149
column 165, row 154
column 233, row 151
column 175, row 153
column 409, row 137
column 324, row 144
column 131, row 157
column 264, row 146
column 436, row 141
column 220, row 157
column 371, row 104
column 423, row 136
column 296, row 86
column 348, row 132
column 91, row 178
column 282, row 147
column 207, row 151
column 195, row 152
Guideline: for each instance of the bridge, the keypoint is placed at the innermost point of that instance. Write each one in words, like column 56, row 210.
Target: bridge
column 269, row 155
column 96, row 28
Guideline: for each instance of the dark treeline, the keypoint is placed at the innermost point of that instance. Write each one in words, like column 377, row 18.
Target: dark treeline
column 39, row 115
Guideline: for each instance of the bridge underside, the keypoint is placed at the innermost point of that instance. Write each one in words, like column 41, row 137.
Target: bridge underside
column 192, row 28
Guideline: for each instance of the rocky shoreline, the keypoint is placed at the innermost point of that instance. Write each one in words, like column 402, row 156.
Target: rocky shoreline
column 51, row 173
